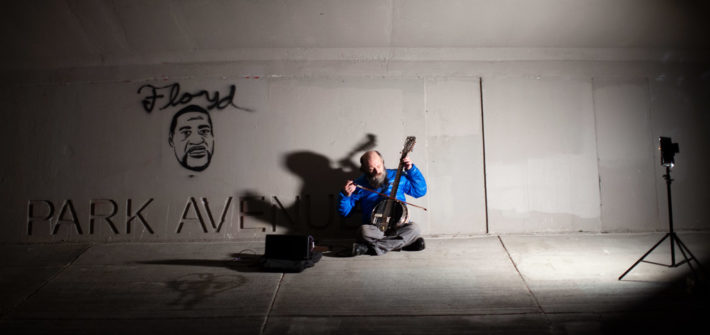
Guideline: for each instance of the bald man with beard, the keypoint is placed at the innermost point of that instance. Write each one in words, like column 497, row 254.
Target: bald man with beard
column 370, row 239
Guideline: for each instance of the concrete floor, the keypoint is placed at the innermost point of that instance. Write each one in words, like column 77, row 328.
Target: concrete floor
column 533, row 284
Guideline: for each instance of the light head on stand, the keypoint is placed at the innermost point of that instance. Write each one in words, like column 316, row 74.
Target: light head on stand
column 668, row 151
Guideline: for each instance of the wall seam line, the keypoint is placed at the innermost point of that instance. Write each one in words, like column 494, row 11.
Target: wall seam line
column 596, row 144
column 483, row 147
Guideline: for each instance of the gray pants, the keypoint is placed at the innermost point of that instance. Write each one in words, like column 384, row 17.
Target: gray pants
column 381, row 244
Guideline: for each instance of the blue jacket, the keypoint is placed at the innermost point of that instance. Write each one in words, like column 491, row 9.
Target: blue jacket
column 411, row 182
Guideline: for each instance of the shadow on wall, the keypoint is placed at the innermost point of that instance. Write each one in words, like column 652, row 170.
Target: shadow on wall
column 315, row 210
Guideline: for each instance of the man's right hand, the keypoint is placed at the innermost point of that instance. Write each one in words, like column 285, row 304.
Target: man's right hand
column 349, row 188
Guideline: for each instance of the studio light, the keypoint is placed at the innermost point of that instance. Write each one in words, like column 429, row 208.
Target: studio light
column 668, row 150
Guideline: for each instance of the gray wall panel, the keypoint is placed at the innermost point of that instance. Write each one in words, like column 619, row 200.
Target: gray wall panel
column 540, row 155
column 626, row 162
column 453, row 121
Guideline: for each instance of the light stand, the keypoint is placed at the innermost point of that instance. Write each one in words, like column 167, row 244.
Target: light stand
column 668, row 149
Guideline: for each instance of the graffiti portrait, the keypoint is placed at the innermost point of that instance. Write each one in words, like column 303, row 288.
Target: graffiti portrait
column 192, row 137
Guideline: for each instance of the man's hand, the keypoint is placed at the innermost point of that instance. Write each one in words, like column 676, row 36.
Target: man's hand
column 349, row 188
column 407, row 163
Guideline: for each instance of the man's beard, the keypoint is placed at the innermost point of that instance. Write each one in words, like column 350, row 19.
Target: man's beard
column 196, row 163
column 378, row 180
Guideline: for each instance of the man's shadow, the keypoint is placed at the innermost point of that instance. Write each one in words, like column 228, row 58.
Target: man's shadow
column 314, row 211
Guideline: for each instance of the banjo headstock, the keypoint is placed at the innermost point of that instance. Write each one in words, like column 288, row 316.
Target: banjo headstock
column 408, row 145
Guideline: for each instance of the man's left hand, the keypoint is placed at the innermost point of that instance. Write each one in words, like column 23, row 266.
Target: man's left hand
column 407, row 163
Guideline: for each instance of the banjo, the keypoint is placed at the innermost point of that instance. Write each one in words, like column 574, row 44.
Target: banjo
column 390, row 212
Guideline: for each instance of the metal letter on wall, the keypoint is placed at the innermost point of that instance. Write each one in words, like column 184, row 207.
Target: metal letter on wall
column 106, row 217
column 217, row 227
column 191, row 203
column 130, row 216
column 245, row 210
column 31, row 218
column 72, row 220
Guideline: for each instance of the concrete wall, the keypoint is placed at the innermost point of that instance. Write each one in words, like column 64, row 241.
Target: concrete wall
column 568, row 147
column 529, row 116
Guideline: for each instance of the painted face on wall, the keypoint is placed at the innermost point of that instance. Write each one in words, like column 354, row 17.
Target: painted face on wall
column 191, row 137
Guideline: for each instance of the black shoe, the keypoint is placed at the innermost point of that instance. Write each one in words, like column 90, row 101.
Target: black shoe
column 417, row 245
column 360, row 249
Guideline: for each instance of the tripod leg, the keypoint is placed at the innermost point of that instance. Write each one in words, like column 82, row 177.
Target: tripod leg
column 683, row 247
column 685, row 256
column 644, row 256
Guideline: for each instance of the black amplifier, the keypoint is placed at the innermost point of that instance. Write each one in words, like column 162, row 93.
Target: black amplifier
column 293, row 247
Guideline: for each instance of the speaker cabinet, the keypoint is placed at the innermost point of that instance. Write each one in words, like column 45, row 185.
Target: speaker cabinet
column 293, row 247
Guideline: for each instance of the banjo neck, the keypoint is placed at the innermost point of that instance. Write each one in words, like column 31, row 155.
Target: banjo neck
column 395, row 184
column 387, row 212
